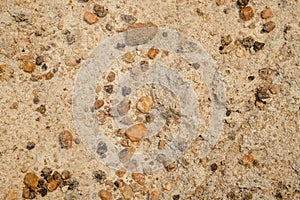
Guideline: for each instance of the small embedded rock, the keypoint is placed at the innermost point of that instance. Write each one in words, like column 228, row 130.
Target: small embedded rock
column 30, row 145
column 140, row 33
column 100, row 11
column 152, row 52
column 268, row 27
column 111, row 76
column 28, row 193
column 220, row 2
column 136, row 132
column 105, row 195
column 123, row 107
column 98, row 104
column 242, row 3
column 28, row 66
column 262, row 94
column 100, row 176
column 31, row 180
column 39, row 60
column 226, row 40
column 101, row 149
column 274, row 89
column 167, row 186
column 258, row 45
column 247, row 13
column 266, row 13
column 66, row 139
column 90, row 17
column 248, row 42
column 213, row 167
column 46, row 173
column 169, row 165
column 139, row 178
column 52, row 185
column 49, row 75
column 130, row 19
column 247, row 160
column 126, row 154
column 109, row 88
column 129, row 57
column 145, row 104
column 66, row 174
column 161, row 144
column 121, row 172
column 154, row 194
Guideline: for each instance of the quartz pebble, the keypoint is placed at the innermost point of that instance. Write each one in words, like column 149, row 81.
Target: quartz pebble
column 121, row 172
column 136, row 132
column 126, row 154
column 66, row 139
column 144, row 104
column 105, row 195
column 129, row 57
column 90, row 17
column 98, row 104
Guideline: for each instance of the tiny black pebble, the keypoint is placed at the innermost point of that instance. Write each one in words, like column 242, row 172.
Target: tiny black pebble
column 176, row 197
column 120, row 45
column 44, row 67
column 165, row 34
column 39, row 60
column 30, row 145
column 43, row 192
column 258, row 45
column 214, row 167
column 99, row 175
column 109, row 88
column 117, row 184
column 251, row 78
column 228, row 112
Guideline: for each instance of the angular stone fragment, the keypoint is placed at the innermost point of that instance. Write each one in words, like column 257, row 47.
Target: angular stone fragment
column 140, row 33
column 136, row 132
column 144, row 104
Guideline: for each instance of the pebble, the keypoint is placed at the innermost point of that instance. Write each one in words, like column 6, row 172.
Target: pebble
column 169, row 165
column 105, row 195
column 3, row 68
column 29, row 66
column 39, row 60
column 266, row 13
column 161, row 144
column 144, row 104
column 152, row 52
column 130, row 19
column 127, row 192
column 49, row 75
column 101, row 149
column 31, row 180
column 90, row 17
column 136, row 132
column 139, row 178
column 247, row 13
column 258, row 45
column 66, row 139
column 111, row 76
column 268, row 27
column 213, row 167
column 109, row 88
column 123, row 107
column 126, row 91
column 66, row 174
column 46, row 173
column 226, row 40
column 43, row 191
column 28, row 193
column 240, row 52
column 100, row 11
column 100, row 176
column 247, row 160
column 248, row 42
column 242, row 3
column 129, row 57
column 121, row 172
column 52, row 185
column 140, row 33
column 98, row 104
column 30, row 145
column 126, row 154
column 41, row 109
column 262, row 94
column 144, row 64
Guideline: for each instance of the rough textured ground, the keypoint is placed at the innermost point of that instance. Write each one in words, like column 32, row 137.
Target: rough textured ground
column 257, row 156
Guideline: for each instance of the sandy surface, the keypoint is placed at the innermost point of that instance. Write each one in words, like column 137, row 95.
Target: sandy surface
column 257, row 153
